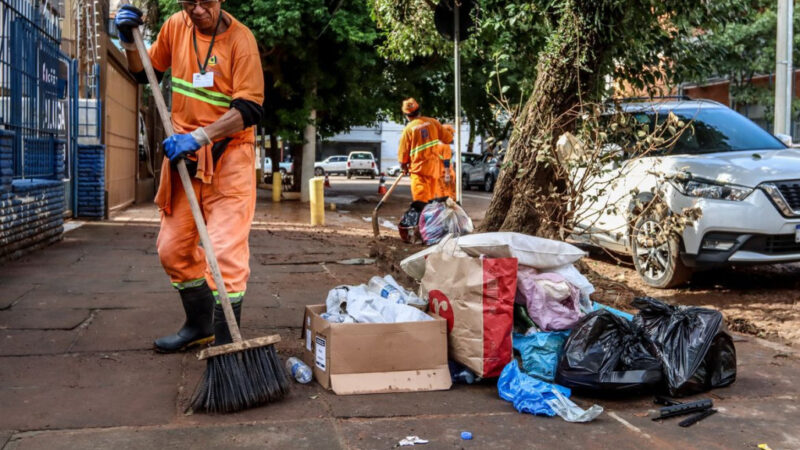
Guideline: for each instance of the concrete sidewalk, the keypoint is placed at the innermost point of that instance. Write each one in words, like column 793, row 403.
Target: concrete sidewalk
column 77, row 371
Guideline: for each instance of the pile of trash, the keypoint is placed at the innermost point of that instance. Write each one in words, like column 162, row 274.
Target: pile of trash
column 431, row 222
column 518, row 309
column 382, row 300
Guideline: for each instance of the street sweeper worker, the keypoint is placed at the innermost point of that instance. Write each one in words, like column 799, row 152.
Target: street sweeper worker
column 217, row 97
column 447, row 179
column 417, row 152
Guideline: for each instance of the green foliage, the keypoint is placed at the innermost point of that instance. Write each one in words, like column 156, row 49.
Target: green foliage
column 498, row 61
column 317, row 54
column 742, row 50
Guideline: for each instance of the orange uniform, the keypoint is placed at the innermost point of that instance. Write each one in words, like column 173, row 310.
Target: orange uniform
column 418, row 148
column 445, row 153
column 226, row 192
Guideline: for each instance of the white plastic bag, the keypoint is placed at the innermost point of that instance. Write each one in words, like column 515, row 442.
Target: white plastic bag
column 533, row 251
column 438, row 219
column 569, row 411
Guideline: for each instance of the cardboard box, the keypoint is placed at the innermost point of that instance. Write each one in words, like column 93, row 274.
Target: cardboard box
column 369, row 358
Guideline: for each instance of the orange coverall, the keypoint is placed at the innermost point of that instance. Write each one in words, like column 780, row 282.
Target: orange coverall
column 226, row 192
column 418, row 148
column 446, row 189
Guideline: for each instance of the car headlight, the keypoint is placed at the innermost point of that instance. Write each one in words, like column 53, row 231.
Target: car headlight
column 707, row 189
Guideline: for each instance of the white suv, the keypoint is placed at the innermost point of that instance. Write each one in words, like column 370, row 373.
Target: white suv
column 745, row 181
column 331, row 165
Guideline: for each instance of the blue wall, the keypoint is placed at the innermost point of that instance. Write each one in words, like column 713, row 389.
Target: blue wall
column 31, row 210
column 91, row 163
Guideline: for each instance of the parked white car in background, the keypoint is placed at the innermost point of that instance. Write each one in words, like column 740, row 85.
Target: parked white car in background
column 745, row 181
column 332, row 165
column 361, row 163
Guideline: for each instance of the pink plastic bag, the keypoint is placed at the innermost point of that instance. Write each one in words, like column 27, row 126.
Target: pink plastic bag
column 552, row 302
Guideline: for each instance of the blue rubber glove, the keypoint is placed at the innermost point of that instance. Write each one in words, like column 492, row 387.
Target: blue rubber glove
column 179, row 146
column 128, row 17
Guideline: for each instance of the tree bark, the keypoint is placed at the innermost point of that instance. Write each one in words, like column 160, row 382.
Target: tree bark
column 565, row 72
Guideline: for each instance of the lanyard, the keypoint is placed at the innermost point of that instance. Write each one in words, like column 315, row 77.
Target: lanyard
column 210, row 46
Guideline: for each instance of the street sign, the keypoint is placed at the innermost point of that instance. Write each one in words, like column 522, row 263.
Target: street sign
column 444, row 19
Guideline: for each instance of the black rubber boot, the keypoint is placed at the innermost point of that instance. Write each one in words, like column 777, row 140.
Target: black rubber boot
column 221, row 332
column 198, row 304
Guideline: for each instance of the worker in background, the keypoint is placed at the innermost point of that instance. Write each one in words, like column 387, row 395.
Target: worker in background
column 417, row 152
column 217, row 96
column 447, row 179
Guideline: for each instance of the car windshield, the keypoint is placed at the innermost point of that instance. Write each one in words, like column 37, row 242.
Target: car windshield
column 712, row 130
column 361, row 156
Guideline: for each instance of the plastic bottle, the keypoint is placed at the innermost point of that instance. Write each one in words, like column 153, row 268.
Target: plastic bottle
column 385, row 289
column 299, row 370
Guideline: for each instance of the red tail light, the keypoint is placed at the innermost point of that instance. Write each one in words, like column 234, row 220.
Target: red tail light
column 348, row 163
column 373, row 165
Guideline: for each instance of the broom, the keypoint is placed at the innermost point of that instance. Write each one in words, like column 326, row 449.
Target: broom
column 242, row 374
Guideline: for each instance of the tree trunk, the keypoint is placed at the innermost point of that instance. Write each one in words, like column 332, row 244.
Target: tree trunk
column 562, row 78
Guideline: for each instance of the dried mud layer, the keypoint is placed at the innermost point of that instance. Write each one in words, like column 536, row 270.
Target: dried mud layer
column 763, row 301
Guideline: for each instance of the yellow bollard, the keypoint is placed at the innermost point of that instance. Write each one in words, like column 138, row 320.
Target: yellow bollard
column 277, row 187
column 316, row 200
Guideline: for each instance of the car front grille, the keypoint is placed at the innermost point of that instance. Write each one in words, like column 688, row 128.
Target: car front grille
column 778, row 244
column 791, row 192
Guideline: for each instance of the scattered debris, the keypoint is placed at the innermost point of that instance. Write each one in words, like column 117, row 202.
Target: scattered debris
column 357, row 261
column 389, row 225
column 411, row 440
column 313, row 397
column 696, row 418
column 466, row 435
column 684, row 408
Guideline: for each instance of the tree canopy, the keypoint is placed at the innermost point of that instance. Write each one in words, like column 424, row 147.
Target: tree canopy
column 577, row 45
column 317, row 54
column 742, row 50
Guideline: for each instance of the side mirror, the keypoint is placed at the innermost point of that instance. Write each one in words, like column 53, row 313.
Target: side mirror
column 785, row 138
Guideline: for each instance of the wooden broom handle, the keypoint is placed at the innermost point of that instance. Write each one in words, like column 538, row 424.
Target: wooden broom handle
column 230, row 318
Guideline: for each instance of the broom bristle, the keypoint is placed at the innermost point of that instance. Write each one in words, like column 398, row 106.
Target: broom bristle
column 240, row 380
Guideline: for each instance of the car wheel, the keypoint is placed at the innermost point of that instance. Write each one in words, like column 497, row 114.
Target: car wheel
column 372, row 176
column 349, row 175
column 656, row 252
column 319, row 172
column 488, row 183
column 465, row 182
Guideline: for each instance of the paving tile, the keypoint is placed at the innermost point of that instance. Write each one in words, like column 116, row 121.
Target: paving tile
column 311, row 434
column 89, row 390
column 35, row 342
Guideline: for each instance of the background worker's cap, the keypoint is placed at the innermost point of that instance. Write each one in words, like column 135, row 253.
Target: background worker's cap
column 410, row 106
column 449, row 132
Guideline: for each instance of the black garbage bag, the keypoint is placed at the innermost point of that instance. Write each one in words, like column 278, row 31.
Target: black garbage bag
column 695, row 349
column 608, row 355
column 409, row 223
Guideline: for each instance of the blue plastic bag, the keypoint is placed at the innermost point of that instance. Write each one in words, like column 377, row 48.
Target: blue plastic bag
column 528, row 394
column 540, row 352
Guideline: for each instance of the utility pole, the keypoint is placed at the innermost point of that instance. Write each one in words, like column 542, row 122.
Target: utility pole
column 784, row 70
column 309, row 155
column 457, row 70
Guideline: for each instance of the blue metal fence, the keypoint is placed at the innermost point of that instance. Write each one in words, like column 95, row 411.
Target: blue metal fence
column 31, row 85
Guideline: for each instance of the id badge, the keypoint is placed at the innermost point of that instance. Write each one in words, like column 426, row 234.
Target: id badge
column 203, row 80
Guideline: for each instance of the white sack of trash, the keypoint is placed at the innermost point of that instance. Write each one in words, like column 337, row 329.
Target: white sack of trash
column 539, row 253
column 358, row 304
